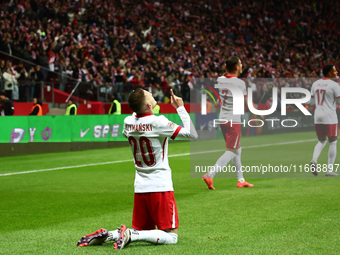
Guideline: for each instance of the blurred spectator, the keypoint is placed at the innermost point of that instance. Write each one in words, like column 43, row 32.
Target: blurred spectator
column 77, row 73
column 6, row 105
column 119, row 81
column 116, row 107
column 37, row 107
column 71, row 108
column 157, row 109
column 66, row 77
column 10, row 82
column 157, row 93
column 2, row 70
column 22, row 82
column 43, row 62
column 62, row 69
column 185, row 88
column 36, row 77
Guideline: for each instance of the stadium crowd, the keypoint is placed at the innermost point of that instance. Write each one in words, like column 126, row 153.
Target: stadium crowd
column 158, row 45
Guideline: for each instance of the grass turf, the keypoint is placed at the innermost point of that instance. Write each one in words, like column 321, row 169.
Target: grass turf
column 48, row 212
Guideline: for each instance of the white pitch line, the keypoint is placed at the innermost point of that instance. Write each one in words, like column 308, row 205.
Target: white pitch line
column 244, row 147
column 66, row 167
column 130, row 160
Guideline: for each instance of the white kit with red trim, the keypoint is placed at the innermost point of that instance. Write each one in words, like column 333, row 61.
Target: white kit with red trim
column 226, row 112
column 325, row 93
column 148, row 137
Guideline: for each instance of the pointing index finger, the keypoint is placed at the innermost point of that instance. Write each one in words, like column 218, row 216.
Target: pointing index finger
column 172, row 93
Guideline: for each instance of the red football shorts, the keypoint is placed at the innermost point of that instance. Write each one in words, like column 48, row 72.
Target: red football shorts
column 231, row 134
column 329, row 130
column 155, row 209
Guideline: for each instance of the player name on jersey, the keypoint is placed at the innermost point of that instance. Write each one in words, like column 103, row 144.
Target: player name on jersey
column 140, row 127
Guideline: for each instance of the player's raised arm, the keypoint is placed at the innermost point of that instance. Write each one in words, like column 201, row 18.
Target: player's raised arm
column 188, row 131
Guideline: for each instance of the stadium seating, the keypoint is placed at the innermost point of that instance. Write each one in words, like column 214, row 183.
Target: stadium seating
column 119, row 47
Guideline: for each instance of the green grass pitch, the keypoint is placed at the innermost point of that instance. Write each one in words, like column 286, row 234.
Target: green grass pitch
column 48, row 212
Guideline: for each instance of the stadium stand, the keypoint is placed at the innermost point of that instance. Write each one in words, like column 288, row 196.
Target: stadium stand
column 120, row 45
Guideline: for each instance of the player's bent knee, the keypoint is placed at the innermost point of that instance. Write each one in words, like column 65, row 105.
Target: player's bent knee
column 171, row 230
column 323, row 142
column 232, row 150
column 332, row 139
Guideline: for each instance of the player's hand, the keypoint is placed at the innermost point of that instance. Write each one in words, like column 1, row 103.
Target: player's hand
column 175, row 100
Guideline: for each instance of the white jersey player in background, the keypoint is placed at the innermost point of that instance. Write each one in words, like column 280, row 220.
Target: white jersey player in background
column 325, row 93
column 154, row 201
column 232, row 130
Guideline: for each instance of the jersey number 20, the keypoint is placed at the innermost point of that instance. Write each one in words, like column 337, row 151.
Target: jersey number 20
column 143, row 142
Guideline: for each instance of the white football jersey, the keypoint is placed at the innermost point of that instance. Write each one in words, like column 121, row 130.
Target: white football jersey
column 325, row 93
column 148, row 137
column 226, row 96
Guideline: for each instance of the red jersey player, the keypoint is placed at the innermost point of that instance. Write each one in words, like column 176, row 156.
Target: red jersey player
column 154, row 201
column 232, row 130
column 325, row 93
